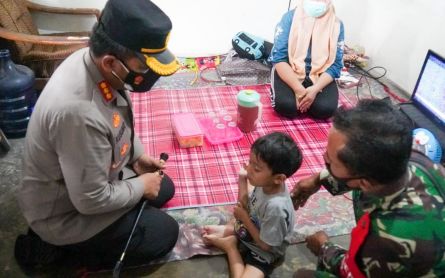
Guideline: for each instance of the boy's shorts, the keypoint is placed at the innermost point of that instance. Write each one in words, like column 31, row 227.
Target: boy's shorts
column 253, row 259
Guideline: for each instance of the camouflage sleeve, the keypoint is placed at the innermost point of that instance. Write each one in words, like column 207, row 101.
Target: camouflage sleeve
column 324, row 274
column 330, row 258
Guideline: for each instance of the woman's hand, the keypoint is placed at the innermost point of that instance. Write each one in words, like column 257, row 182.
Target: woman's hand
column 147, row 164
column 307, row 99
column 299, row 97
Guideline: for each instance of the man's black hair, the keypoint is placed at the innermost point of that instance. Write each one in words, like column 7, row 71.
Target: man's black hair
column 279, row 151
column 379, row 140
column 100, row 44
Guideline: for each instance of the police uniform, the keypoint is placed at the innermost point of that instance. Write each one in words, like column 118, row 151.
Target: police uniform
column 78, row 141
column 80, row 137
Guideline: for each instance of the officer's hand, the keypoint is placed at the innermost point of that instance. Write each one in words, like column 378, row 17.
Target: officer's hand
column 147, row 164
column 315, row 241
column 304, row 189
column 152, row 184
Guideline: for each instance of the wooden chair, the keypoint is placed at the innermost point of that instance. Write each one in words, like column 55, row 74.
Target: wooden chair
column 42, row 53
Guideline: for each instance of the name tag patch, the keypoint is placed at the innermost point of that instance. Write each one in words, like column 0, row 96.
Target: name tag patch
column 121, row 132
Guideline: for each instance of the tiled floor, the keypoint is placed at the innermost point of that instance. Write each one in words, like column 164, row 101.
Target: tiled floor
column 12, row 222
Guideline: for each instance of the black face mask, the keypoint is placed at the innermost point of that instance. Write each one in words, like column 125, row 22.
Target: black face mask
column 339, row 179
column 336, row 185
column 138, row 82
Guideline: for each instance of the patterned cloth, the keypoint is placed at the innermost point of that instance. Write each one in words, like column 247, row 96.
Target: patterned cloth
column 333, row 214
column 208, row 175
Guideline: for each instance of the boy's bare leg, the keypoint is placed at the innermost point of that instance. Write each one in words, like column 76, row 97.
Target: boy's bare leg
column 252, row 272
column 229, row 245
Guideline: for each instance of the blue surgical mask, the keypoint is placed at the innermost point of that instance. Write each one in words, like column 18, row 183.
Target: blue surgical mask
column 315, row 8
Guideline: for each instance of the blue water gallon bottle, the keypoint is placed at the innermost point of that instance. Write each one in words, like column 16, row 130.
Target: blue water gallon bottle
column 17, row 94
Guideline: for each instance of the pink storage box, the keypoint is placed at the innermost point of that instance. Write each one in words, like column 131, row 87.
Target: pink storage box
column 215, row 137
column 187, row 130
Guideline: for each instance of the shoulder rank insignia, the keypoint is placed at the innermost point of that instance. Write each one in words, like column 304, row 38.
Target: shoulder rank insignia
column 107, row 92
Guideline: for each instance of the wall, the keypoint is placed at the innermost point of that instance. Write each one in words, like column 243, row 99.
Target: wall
column 200, row 27
column 395, row 33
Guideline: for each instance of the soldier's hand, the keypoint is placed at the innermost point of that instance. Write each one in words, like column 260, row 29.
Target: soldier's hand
column 304, row 189
column 315, row 241
column 152, row 184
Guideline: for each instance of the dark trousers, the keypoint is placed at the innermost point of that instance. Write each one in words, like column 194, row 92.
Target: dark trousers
column 284, row 102
column 155, row 235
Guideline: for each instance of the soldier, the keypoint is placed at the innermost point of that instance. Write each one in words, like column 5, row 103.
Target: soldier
column 398, row 198
column 74, row 194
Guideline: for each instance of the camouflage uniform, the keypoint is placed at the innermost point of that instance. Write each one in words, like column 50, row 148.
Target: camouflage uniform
column 406, row 237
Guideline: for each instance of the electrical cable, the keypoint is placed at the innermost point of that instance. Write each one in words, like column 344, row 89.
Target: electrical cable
column 347, row 197
column 195, row 77
column 288, row 7
column 208, row 80
column 393, row 95
column 367, row 74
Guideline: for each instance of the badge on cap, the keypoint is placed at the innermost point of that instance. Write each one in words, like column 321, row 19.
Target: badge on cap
column 106, row 91
column 138, row 79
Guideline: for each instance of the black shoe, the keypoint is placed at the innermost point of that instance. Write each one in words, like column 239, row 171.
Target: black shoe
column 31, row 251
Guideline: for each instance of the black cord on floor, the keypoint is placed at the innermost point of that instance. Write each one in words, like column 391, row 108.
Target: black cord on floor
column 288, row 7
column 365, row 74
column 387, row 90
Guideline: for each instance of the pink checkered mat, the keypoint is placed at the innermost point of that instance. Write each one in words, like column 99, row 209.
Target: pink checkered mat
column 208, row 175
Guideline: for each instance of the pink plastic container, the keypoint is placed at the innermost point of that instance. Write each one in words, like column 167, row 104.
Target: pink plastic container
column 219, row 133
column 187, row 130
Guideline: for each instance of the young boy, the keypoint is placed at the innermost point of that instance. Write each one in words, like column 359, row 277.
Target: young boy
column 265, row 220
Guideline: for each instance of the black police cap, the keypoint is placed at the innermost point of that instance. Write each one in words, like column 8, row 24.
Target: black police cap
column 143, row 27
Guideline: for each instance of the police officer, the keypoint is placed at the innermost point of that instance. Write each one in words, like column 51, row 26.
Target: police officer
column 80, row 140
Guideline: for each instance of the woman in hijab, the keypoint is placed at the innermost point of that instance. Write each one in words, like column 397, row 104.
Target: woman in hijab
column 307, row 56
